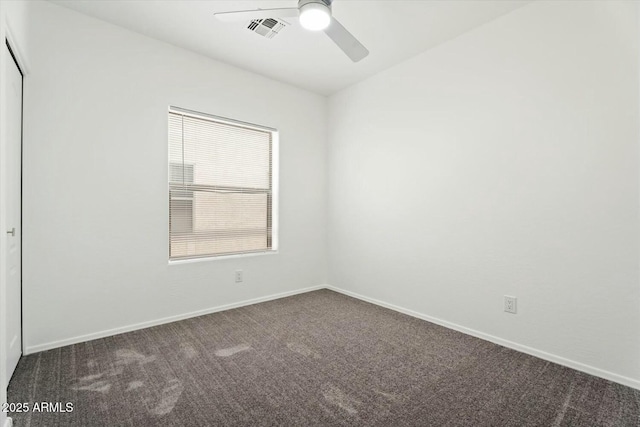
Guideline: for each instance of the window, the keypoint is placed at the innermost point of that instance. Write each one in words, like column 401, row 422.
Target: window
column 221, row 186
column 181, row 202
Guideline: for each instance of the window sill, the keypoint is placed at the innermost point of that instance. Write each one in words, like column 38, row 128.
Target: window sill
column 220, row 257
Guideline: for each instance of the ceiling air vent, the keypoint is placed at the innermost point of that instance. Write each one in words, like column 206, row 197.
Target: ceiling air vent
column 268, row 27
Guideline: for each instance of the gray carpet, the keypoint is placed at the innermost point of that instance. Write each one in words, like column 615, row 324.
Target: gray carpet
column 320, row 358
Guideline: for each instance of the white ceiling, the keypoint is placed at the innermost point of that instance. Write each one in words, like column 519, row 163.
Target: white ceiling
column 392, row 30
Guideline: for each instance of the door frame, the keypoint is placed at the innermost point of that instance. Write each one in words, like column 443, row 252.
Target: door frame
column 8, row 38
column 14, row 57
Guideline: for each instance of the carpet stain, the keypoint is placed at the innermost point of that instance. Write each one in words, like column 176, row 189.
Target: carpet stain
column 98, row 386
column 134, row 385
column 118, row 370
column 87, row 378
column 226, row 352
column 188, row 351
column 565, row 406
column 170, row 396
column 127, row 357
column 335, row 396
column 390, row 396
column 302, row 349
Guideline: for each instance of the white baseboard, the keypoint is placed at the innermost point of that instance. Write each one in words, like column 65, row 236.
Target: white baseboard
column 487, row 337
column 8, row 422
column 110, row 332
column 630, row 382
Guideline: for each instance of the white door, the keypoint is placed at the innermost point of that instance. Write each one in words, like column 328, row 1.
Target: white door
column 13, row 235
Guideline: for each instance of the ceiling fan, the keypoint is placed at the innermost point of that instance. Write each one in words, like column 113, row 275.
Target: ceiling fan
column 314, row 15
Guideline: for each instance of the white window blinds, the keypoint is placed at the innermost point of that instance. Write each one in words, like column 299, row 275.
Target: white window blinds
column 220, row 186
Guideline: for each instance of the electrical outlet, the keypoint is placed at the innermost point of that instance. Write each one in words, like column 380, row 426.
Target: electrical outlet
column 510, row 304
column 238, row 276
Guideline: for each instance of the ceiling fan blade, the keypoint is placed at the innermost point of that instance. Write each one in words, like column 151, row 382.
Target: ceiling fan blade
column 346, row 41
column 248, row 15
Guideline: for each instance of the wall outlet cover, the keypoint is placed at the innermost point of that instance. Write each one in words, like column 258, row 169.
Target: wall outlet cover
column 510, row 304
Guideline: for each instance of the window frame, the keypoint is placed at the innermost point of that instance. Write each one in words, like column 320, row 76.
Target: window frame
column 273, row 200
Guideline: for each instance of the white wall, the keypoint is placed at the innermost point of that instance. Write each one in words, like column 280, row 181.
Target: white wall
column 95, row 179
column 502, row 162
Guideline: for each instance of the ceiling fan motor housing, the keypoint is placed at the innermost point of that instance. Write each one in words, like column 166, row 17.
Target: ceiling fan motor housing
column 326, row 3
column 314, row 4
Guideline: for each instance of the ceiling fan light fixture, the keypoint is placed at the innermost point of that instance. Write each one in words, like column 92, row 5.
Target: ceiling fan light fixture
column 315, row 16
